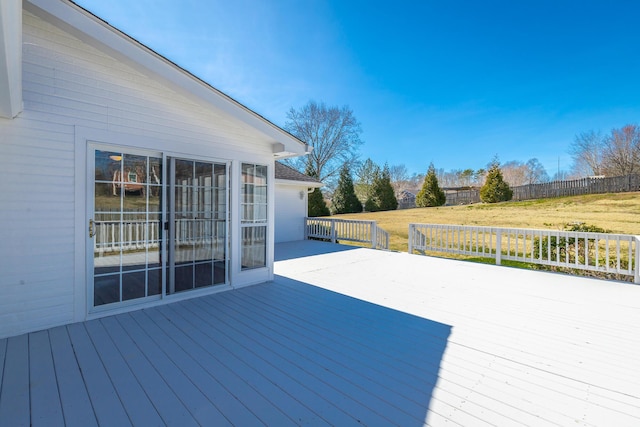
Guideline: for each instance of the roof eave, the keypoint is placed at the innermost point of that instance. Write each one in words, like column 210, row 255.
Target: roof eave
column 105, row 37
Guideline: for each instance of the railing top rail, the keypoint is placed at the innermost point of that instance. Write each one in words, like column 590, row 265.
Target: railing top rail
column 363, row 221
column 590, row 234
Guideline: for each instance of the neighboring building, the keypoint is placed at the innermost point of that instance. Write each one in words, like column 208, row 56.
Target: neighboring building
column 292, row 202
column 126, row 181
column 406, row 200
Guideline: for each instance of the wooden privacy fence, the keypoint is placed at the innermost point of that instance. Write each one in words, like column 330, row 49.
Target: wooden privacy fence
column 576, row 187
column 599, row 252
column 345, row 230
column 592, row 185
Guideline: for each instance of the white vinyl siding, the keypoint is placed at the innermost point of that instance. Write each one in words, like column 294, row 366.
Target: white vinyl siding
column 74, row 93
column 290, row 208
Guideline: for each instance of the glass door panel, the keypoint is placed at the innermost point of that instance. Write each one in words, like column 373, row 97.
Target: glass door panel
column 197, row 225
column 126, row 225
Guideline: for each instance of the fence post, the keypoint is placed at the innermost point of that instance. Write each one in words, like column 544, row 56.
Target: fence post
column 636, row 275
column 411, row 231
column 498, row 247
column 306, row 228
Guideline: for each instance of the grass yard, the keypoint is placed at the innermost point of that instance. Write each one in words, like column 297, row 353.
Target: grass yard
column 619, row 213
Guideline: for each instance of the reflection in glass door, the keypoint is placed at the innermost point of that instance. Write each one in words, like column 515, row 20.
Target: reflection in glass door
column 125, row 230
column 198, row 225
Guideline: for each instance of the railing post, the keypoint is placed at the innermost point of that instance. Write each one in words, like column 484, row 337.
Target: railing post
column 498, row 247
column 374, row 234
column 306, row 228
column 411, row 230
column 333, row 231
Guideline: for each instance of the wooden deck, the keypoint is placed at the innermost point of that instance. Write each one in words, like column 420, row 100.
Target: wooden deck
column 345, row 336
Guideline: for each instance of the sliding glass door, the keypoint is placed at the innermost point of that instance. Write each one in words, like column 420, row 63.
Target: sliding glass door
column 149, row 238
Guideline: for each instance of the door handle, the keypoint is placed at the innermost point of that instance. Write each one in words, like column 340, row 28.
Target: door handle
column 92, row 228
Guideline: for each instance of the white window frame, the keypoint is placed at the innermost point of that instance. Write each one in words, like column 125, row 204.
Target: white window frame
column 254, row 215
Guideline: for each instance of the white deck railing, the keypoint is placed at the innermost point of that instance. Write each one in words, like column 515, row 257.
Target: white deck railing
column 346, row 230
column 601, row 252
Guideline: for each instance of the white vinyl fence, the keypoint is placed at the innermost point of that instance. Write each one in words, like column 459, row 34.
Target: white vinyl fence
column 346, row 230
column 601, row 252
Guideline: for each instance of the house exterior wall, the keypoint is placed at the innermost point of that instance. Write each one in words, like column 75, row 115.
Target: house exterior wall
column 74, row 95
column 290, row 210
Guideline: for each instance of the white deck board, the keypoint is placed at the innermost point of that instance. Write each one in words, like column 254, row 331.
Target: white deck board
column 215, row 343
column 253, row 351
column 213, row 362
column 199, row 405
column 14, row 393
column 133, row 397
column 345, row 336
column 165, row 401
column 43, row 383
column 307, row 359
column 104, row 397
column 159, row 330
column 74, row 399
column 372, row 386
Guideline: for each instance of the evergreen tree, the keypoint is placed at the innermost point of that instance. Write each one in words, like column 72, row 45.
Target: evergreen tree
column 431, row 194
column 365, row 174
column 344, row 198
column 382, row 197
column 316, row 205
column 370, row 205
column 495, row 189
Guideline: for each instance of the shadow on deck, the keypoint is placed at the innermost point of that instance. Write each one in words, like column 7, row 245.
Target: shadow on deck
column 306, row 248
column 283, row 353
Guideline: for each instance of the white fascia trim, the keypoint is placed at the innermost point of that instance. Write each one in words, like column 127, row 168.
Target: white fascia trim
column 10, row 58
column 302, row 184
column 82, row 24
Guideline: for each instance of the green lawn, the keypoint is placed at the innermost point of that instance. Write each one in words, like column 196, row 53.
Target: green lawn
column 619, row 213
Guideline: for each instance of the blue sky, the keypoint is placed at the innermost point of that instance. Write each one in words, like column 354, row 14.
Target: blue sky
column 450, row 82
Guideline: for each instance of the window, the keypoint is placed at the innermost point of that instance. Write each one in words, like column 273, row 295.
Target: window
column 254, row 216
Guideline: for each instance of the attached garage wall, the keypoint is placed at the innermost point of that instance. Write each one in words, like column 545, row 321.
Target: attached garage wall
column 290, row 212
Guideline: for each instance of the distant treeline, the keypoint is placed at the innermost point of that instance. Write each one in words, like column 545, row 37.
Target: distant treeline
column 576, row 187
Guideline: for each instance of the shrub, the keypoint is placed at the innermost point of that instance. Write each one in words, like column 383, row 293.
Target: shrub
column 567, row 248
column 431, row 194
column 495, row 189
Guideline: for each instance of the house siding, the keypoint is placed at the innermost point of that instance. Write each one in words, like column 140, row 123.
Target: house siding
column 290, row 212
column 72, row 88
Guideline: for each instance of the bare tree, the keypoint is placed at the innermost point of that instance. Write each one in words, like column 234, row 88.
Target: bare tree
column 479, row 176
column 366, row 173
column 621, row 151
column 535, row 172
column 399, row 175
column 514, row 173
column 334, row 134
column 587, row 152
column 465, row 177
